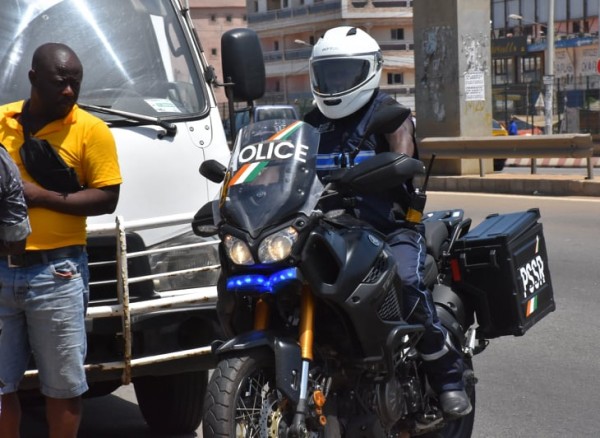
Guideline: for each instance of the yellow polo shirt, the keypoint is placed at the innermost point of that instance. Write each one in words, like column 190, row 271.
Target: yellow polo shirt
column 85, row 143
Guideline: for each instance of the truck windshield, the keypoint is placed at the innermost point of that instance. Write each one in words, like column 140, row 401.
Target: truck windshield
column 134, row 53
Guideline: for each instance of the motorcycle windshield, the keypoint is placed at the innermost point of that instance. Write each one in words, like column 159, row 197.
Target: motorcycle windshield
column 271, row 175
column 135, row 54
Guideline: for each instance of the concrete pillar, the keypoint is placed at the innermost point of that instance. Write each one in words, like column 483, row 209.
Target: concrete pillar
column 453, row 80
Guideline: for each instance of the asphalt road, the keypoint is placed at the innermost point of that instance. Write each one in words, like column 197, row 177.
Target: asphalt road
column 544, row 384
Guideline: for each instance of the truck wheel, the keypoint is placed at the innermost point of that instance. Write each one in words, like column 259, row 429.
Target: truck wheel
column 172, row 404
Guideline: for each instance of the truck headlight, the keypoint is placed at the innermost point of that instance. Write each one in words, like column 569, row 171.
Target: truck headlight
column 185, row 262
column 237, row 251
column 277, row 246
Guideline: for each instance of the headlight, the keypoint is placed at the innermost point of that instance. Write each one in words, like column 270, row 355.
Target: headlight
column 238, row 251
column 277, row 246
column 184, row 262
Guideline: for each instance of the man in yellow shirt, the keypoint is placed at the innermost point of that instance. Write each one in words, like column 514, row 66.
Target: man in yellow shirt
column 45, row 290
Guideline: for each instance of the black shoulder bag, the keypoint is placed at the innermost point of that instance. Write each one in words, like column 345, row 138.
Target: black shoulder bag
column 44, row 164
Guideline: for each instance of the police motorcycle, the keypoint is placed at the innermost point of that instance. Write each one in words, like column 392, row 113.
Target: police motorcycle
column 318, row 346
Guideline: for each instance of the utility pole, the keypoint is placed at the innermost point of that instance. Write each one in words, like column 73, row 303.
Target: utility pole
column 549, row 76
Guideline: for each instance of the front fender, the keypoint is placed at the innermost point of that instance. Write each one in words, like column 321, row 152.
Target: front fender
column 288, row 359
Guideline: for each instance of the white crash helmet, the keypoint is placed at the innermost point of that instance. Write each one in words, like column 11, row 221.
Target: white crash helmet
column 345, row 69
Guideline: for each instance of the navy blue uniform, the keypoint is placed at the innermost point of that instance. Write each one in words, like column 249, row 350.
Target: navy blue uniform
column 443, row 363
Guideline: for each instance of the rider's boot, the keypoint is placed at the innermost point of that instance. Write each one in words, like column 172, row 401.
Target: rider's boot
column 455, row 404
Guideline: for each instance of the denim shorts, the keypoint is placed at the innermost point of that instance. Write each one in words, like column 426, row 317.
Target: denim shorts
column 42, row 311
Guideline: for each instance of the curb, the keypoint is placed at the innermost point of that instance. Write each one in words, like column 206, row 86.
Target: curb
column 552, row 162
column 558, row 185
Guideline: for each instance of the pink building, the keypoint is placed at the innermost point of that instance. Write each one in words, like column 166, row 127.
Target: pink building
column 211, row 19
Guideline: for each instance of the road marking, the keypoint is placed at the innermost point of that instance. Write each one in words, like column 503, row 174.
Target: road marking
column 590, row 199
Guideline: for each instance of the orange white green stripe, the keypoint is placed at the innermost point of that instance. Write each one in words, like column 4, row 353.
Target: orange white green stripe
column 248, row 172
column 286, row 132
column 532, row 305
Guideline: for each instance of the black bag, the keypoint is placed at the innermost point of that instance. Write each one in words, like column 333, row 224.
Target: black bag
column 47, row 168
column 44, row 164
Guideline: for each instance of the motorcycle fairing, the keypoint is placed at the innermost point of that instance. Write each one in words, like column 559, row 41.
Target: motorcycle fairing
column 368, row 290
column 288, row 358
column 327, row 251
column 273, row 179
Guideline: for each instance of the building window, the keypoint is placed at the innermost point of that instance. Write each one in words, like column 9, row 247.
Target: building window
column 397, row 34
column 311, row 40
column 228, row 18
column 213, row 18
column 529, row 64
column 531, row 68
column 213, row 52
column 576, row 27
column 502, row 67
column 395, row 78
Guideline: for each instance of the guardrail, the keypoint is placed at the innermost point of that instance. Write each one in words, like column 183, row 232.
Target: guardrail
column 535, row 146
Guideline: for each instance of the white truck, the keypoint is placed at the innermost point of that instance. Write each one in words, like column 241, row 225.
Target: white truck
column 151, row 317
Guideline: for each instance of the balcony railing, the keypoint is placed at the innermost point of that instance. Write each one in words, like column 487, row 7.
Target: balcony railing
column 383, row 3
column 287, row 55
column 396, row 45
column 392, row 3
column 305, row 52
column 282, row 14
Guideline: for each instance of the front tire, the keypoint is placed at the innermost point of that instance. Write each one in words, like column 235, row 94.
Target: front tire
column 242, row 400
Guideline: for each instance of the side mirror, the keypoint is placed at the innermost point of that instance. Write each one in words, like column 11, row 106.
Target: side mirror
column 213, row 171
column 243, row 64
column 203, row 224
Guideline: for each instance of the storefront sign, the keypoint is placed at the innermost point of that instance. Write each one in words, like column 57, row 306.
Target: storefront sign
column 509, row 47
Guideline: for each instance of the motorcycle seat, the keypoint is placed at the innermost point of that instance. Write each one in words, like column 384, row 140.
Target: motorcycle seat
column 436, row 236
column 431, row 271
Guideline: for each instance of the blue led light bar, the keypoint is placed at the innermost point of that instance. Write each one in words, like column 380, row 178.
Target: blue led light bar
column 260, row 283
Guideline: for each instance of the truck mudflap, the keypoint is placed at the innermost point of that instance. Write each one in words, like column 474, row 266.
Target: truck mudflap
column 198, row 298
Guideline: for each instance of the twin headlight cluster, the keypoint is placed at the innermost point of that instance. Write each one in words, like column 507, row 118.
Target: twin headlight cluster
column 273, row 248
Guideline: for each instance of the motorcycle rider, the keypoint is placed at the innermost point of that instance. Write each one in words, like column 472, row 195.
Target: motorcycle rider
column 345, row 70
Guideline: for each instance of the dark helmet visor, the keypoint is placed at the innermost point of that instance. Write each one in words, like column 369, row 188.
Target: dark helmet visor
column 337, row 75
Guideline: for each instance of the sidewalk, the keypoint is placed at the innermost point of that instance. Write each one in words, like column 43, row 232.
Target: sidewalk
column 543, row 185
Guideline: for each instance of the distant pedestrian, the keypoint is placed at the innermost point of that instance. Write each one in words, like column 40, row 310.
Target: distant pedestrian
column 512, row 126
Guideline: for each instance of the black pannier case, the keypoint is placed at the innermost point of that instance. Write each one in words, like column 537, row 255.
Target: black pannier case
column 503, row 264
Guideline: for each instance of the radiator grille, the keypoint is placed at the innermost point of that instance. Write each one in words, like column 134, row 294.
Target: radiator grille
column 390, row 308
column 377, row 269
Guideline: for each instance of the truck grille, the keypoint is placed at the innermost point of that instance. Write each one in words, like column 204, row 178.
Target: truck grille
column 102, row 253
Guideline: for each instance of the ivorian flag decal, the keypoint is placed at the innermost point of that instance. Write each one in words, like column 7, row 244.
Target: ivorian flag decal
column 531, row 306
column 248, row 172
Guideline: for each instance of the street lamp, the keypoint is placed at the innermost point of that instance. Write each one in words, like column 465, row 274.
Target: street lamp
column 549, row 76
column 303, row 43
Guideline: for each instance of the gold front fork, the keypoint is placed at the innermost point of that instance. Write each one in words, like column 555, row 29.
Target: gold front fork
column 262, row 312
column 307, row 319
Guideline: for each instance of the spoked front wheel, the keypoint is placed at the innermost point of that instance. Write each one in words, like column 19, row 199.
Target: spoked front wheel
column 242, row 400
